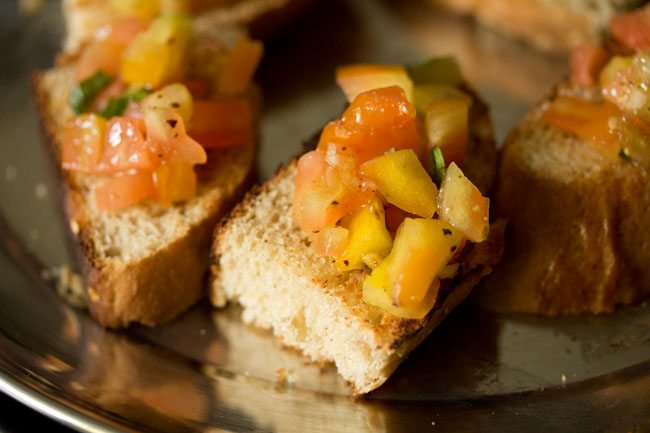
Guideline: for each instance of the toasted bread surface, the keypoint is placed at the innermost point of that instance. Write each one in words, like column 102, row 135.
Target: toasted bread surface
column 146, row 263
column 551, row 25
column 577, row 240
column 263, row 261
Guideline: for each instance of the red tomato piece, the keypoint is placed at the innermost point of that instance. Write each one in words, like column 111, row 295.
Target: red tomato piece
column 126, row 147
column 586, row 62
column 633, row 28
column 375, row 122
column 125, row 189
column 198, row 88
column 224, row 122
column 395, row 217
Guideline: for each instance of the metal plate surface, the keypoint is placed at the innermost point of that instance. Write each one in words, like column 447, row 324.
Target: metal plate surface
column 209, row 372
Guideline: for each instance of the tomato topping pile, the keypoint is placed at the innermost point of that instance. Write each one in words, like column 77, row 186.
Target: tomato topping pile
column 367, row 196
column 144, row 119
column 620, row 122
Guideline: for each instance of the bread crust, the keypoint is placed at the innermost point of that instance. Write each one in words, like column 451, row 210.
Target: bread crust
column 155, row 288
column 578, row 240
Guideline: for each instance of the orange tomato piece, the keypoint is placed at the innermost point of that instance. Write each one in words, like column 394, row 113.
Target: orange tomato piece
column 99, row 56
column 166, row 134
column 375, row 122
column 174, row 181
column 330, row 241
column 586, row 62
column 632, row 28
column 126, row 147
column 122, row 30
column 240, row 66
column 125, row 189
column 83, row 142
column 588, row 120
column 224, row 122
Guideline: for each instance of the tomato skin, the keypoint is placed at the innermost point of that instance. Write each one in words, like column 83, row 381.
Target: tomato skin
column 125, row 189
column 633, row 28
column 224, row 122
column 83, row 142
column 126, row 147
column 586, row 62
column 374, row 123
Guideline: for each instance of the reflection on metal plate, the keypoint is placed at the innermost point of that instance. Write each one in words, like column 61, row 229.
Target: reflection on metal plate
column 210, row 372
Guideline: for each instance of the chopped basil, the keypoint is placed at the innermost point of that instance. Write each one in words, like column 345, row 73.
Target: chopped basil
column 137, row 94
column 437, row 165
column 114, row 107
column 439, row 70
column 84, row 93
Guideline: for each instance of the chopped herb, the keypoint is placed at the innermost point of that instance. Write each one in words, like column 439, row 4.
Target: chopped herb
column 137, row 94
column 114, row 107
column 442, row 70
column 84, row 93
column 437, row 166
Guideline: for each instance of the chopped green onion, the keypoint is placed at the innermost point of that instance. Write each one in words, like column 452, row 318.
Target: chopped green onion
column 114, row 107
column 84, row 93
column 437, row 165
column 439, row 70
column 137, row 94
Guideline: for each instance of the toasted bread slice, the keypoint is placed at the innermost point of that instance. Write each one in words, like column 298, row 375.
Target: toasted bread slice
column 263, row 261
column 146, row 263
column 578, row 216
column 550, row 25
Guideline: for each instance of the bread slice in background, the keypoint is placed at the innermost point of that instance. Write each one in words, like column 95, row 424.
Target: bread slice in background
column 145, row 263
column 550, row 25
column 578, row 239
column 263, row 261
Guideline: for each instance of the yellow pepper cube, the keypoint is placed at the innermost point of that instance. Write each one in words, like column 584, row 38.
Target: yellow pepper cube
column 356, row 79
column 368, row 238
column 240, row 66
column 143, row 9
column 403, row 181
column 462, row 205
column 446, row 122
column 145, row 61
column 406, row 283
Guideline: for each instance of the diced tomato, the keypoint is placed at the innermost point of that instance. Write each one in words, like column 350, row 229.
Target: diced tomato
column 225, row 122
column 126, row 147
column 240, row 66
column 588, row 120
column 633, row 28
column 375, row 122
column 125, row 189
column 174, row 181
column 330, row 241
column 83, row 142
column 166, row 134
column 311, row 168
column 198, row 88
column 586, row 62
column 121, row 31
column 98, row 56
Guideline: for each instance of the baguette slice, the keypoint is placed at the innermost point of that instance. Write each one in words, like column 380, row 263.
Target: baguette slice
column 263, row 261
column 550, row 25
column 578, row 216
column 146, row 263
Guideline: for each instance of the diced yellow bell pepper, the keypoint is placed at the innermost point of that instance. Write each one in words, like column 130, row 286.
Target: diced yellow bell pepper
column 462, row 205
column 406, row 284
column 158, row 55
column 144, row 9
column 403, row 181
column 368, row 238
column 446, row 122
column 424, row 94
column 175, row 181
column 356, row 79
column 240, row 66
column 175, row 97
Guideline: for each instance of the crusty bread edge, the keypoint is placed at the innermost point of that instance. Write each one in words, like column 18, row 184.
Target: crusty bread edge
column 161, row 295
